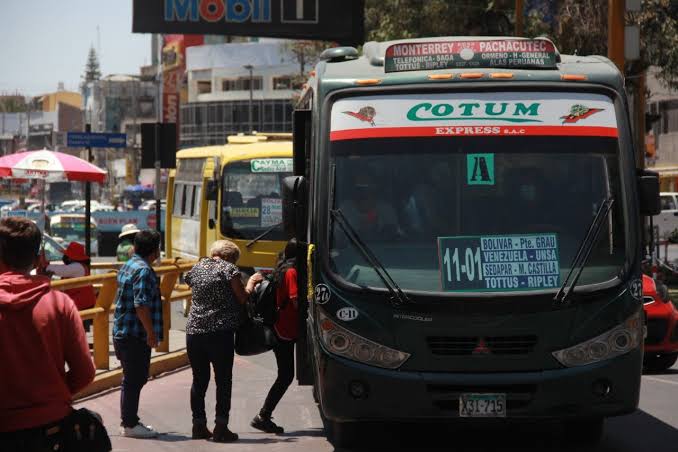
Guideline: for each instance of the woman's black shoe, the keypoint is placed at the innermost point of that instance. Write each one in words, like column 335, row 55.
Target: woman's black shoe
column 265, row 424
column 222, row 434
column 200, row 431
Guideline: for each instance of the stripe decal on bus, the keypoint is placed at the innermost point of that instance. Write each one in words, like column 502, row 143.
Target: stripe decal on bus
column 484, row 130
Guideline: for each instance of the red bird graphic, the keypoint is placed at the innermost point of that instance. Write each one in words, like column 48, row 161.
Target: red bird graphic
column 579, row 112
column 365, row 114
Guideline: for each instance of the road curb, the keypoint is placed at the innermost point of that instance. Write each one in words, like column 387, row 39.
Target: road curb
column 111, row 379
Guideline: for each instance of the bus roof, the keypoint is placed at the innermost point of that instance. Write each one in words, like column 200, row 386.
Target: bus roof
column 345, row 67
column 231, row 152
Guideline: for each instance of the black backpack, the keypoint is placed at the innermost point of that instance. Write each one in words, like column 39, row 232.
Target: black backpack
column 263, row 302
column 263, row 305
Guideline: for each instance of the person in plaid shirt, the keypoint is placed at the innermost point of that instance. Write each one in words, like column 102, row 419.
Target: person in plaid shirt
column 137, row 327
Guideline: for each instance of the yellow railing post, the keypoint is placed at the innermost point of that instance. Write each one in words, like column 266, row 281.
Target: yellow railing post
column 167, row 284
column 101, row 328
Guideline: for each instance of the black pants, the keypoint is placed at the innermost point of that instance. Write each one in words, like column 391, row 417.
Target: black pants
column 135, row 357
column 215, row 348
column 284, row 357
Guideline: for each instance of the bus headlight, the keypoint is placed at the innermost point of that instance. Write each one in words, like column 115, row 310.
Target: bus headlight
column 342, row 342
column 615, row 342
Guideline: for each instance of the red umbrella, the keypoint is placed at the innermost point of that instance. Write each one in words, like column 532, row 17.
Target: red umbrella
column 49, row 166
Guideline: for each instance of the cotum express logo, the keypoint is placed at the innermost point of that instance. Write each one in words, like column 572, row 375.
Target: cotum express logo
column 516, row 112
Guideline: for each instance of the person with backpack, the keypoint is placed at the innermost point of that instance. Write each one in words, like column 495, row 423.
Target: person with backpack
column 218, row 294
column 286, row 328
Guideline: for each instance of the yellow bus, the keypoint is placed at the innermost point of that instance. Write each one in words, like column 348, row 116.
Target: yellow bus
column 233, row 192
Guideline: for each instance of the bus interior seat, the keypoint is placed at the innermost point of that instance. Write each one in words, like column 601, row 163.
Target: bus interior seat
column 233, row 198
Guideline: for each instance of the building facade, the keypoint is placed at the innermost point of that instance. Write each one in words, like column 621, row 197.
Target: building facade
column 221, row 78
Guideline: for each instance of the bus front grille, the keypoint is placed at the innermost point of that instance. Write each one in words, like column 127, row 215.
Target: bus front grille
column 656, row 331
column 476, row 345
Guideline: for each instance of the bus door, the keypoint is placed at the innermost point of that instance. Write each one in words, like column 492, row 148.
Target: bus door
column 186, row 209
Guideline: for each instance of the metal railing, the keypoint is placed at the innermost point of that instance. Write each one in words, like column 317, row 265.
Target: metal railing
column 107, row 285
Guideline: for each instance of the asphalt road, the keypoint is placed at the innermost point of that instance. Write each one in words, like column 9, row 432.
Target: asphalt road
column 164, row 404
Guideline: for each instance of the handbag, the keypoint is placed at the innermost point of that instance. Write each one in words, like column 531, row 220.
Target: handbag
column 254, row 338
column 84, row 431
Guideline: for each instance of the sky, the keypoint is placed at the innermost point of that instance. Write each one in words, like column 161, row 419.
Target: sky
column 44, row 42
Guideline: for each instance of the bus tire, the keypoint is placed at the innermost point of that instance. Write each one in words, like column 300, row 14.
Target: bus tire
column 316, row 397
column 659, row 363
column 343, row 434
column 584, row 432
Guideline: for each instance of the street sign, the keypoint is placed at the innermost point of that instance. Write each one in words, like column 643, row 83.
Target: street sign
column 96, row 140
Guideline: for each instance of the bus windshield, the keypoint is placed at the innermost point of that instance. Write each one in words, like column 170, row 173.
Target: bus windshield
column 475, row 213
column 251, row 198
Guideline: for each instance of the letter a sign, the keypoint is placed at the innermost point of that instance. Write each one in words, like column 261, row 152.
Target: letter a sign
column 480, row 169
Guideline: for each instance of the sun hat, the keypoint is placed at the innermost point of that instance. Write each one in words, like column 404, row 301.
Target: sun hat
column 76, row 252
column 128, row 229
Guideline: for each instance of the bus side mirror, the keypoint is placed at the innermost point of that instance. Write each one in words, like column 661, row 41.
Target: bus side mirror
column 648, row 193
column 294, row 206
column 212, row 190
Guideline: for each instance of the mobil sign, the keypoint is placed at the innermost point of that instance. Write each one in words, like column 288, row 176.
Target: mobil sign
column 330, row 20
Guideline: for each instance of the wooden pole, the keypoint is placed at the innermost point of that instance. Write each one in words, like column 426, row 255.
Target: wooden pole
column 520, row 18
column 615, row 33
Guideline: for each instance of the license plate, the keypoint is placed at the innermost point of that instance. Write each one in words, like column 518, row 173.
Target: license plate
column 482, row 405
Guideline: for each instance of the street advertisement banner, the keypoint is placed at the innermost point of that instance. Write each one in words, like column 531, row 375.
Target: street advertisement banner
column 328, row 20
column 107, row 221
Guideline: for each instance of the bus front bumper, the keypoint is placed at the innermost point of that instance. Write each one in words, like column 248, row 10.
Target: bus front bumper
column 350, row 391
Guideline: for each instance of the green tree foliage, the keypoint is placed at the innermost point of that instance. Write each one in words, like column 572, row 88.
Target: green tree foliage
column 403, row 19
column 306, row 53
column 92, row 69
column 580, row 27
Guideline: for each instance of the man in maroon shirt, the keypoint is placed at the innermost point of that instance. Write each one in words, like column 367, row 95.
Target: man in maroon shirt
column 40, row 333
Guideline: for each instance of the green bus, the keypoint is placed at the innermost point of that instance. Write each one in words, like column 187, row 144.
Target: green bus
column 470, row 218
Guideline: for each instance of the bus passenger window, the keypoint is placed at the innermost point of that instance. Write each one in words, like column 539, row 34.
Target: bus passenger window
column 189, row 200
column 178, row 199
column 197, row 202
column 183, row 200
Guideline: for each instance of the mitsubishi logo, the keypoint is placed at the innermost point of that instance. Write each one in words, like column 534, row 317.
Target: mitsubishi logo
column 482, row 348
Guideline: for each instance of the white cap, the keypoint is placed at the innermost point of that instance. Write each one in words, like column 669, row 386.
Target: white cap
column 128, row 229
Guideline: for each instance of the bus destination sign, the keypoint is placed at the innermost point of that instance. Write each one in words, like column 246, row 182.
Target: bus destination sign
column 499, row 263
column 498, row 53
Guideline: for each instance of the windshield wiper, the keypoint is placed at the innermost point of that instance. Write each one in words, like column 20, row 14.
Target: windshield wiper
column 398, row 297
column 262, row 235
column 582, row 256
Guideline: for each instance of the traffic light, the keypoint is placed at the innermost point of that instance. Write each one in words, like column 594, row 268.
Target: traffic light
column 650, row 119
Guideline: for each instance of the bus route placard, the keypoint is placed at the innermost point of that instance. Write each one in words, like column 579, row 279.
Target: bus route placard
column 496, row 53
column 499, row 263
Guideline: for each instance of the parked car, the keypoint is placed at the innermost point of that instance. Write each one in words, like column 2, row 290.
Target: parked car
column 667, row 220
column 70, row 227
column 150, row 204
column 53, row 249
column 661, row 343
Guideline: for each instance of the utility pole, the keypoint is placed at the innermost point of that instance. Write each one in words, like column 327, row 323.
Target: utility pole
column 88, row 200
column 157, row 146
column 615, row 33
column 520, row 18
column 249, row 67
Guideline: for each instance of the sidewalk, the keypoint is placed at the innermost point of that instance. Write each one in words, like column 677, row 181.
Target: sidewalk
column 165, row 406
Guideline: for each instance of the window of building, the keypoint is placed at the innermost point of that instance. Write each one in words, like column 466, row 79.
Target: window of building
column 204, row 86
column 282, row 82
column 242, row 84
